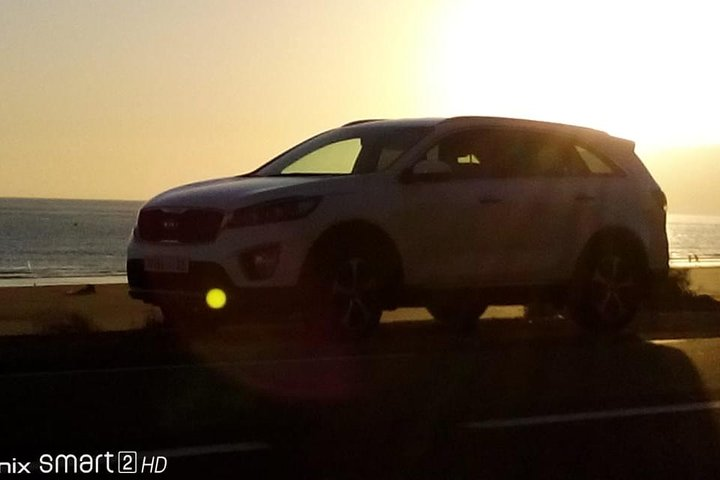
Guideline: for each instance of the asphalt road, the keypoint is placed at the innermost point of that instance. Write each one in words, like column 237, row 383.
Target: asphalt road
column 517, row 399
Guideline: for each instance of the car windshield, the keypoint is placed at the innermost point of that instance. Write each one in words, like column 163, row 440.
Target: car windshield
column 346, row 151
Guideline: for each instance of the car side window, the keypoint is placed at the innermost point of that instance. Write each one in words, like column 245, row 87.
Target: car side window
column 469, row 154
column 495, row 153
column 594, row 164
column 387, row 157
column 534, row 155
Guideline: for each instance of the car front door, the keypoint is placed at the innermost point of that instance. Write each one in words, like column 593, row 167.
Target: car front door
column 453, row 221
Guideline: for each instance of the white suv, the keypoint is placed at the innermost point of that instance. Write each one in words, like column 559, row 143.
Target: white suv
column 451, row 214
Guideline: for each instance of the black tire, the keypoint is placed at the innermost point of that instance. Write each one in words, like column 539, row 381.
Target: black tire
column 347, row 286
column 608, row 288
column 459, row 318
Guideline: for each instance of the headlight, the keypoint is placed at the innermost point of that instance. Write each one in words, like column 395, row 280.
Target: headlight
column 274, row 211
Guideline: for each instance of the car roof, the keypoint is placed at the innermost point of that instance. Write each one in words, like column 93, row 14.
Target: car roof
column 405, row 122
column 452, row 123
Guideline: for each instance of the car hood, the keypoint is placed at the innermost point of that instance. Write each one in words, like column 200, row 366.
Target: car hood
column 233, row 192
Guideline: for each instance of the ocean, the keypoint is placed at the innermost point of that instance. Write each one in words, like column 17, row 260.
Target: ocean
column 46, row 242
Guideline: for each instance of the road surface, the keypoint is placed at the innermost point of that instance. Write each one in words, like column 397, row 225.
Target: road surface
column 517, row 399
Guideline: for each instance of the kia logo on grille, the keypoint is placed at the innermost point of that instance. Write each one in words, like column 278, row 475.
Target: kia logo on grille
column 170, row 224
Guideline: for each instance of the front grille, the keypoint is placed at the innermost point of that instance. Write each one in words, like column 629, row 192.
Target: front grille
column 201, row 277
column 185, row 226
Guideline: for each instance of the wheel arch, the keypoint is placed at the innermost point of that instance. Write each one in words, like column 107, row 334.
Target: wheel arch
column 357, row 231
column 621, row 236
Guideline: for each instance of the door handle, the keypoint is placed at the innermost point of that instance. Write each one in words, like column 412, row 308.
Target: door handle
column 489, row 200
column 583, row 197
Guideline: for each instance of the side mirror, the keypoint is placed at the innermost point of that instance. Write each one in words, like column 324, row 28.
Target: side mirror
column 431, row 168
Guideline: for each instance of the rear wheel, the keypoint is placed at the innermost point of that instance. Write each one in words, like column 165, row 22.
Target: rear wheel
column 459, row 318
column 608, row 288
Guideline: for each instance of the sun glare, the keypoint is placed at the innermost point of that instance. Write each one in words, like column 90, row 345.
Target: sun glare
column 216, row 298
column 642, row 71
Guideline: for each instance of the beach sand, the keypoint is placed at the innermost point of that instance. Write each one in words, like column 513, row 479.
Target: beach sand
column 705, row 281
column 49, row 309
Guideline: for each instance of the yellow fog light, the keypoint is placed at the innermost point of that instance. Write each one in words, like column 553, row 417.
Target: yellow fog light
column 216, row 298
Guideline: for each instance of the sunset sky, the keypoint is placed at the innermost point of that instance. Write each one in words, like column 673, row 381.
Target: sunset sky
column 122, row 99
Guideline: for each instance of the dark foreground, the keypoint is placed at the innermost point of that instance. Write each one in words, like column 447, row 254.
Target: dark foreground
column 514, row 400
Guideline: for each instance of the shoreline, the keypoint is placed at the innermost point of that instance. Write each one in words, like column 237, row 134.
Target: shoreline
column 63, row 281
column 702, row 262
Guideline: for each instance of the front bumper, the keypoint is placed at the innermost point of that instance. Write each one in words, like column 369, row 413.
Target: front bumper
column 189, row 289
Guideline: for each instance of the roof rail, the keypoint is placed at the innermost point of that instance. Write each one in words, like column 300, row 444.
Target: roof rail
column 519, row 122
column 358, row 122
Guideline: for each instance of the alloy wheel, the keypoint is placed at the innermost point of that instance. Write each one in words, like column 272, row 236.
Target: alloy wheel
column 354, row 294
column 613, row 289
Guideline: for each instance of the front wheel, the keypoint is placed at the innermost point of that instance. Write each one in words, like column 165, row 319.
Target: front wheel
column 608, row 289
column 348, row 288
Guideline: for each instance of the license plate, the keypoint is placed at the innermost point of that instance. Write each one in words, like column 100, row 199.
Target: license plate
column 167, row 264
